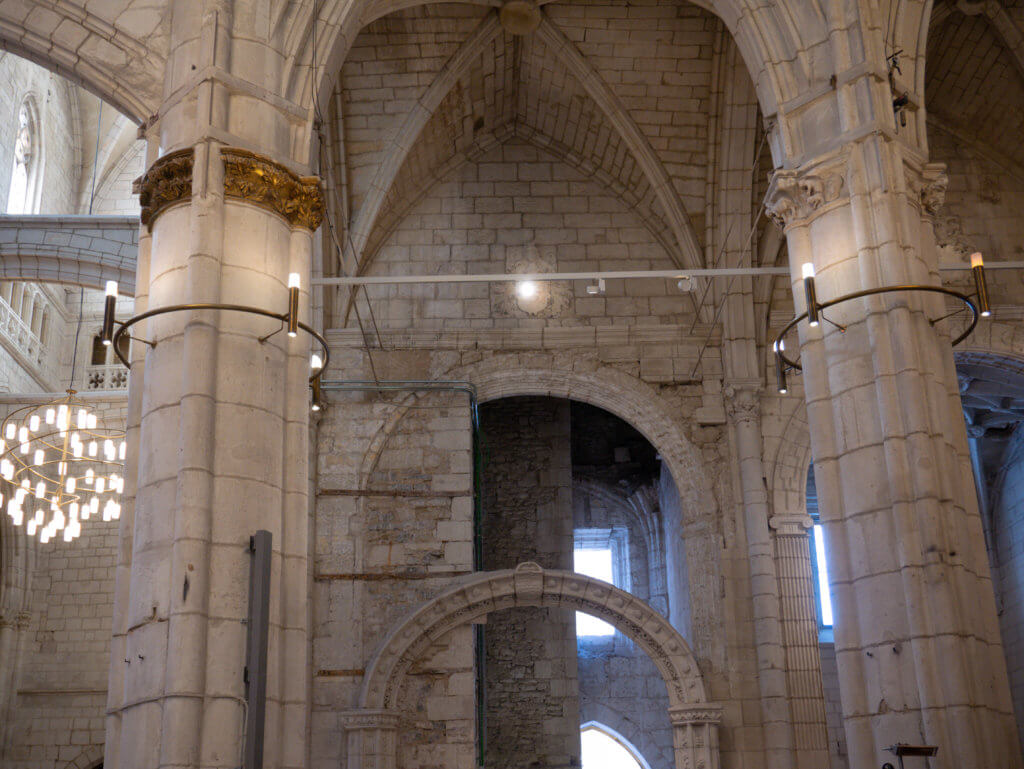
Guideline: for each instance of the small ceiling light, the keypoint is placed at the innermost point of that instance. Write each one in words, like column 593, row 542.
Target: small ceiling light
column 685, row 283
column 526, row 289
column 596, row 288
column 978, row 270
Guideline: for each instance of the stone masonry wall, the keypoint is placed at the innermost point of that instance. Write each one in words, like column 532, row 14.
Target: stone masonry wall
column 393, row 525
column 532, row 706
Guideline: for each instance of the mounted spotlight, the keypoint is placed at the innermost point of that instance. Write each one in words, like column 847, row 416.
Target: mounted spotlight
column 596, row 288
column 780, row 367
column 107, row 333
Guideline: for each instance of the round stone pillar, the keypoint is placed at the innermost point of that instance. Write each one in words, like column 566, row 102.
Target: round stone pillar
column 218, row 419
column 917, row 640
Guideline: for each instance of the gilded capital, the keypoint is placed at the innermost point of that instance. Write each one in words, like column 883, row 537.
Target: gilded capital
column 168, row 181
column 263, row 182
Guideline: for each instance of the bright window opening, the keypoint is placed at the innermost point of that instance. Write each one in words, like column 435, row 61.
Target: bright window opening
column 596, row 564
column 821, row 572
column 601, row 554
column 603, row 749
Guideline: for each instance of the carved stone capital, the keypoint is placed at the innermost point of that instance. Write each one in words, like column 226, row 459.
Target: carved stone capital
column 356, row 720
column 701, row 713
column 263, row 182
column 168, row 181
column 928, row 186
column 794, row 196
column 17, row 620
column 791, row 525
column 743, row 404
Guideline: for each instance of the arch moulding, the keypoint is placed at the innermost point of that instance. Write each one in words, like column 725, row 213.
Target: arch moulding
column 373, row 727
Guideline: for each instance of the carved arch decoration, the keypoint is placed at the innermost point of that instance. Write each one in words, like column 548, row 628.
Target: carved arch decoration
column 373, row 727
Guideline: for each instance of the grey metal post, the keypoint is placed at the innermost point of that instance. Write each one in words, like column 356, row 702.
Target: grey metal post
column 256, row 648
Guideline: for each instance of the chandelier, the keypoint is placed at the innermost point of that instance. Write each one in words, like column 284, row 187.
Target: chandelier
column 60, row 466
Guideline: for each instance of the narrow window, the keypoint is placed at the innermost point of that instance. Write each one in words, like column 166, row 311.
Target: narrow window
column 819, row 563
column 601, row 554
column 25, row 172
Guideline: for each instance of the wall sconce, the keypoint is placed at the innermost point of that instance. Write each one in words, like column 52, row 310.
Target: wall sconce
column 815, row 308
column 289, row 321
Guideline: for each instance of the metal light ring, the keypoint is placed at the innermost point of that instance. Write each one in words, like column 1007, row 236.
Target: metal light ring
column 874, row 292
column 283, row 317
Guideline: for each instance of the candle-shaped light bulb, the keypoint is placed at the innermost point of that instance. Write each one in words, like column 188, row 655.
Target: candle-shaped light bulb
column 122, row 450
column 94, row 448
column 51, row 415
column 30, row 527
column 69, row 485
column 83, row 419
column 101, row 484
column 11, row 431
column 37, row 458
column 88, row 476
column 810, row 295
column 978, row 270
column 109, row 305
column 33, row 422
column 40, row 490
column 293, row 304
column 23, row 435
column 92, row 422
column 316, row 362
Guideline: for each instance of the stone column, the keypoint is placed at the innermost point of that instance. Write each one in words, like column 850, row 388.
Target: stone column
column 219, row 421
column 372, row 739
column 800, row 633
column 917, row 641
column 695, row 736
column 12, row 639
column 743, row 407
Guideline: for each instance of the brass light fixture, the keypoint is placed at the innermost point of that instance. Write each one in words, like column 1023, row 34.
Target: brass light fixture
column 289, row 321
column 60, row 464
column 977, row 303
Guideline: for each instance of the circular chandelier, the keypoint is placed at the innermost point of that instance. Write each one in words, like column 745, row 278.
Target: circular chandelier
column 61, row 466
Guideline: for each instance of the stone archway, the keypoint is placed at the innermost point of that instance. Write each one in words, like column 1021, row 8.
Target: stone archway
column 372, row 728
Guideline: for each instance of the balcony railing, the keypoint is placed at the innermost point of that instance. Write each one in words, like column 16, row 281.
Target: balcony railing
column 113, row 377
column 26, row 344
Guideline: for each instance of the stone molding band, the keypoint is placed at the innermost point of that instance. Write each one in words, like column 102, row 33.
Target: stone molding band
column 248, row 176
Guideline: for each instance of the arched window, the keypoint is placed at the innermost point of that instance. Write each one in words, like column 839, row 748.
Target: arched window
column 22, row 195
column 604, row 748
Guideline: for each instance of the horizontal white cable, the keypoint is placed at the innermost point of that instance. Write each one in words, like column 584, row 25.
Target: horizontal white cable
column 680, row 274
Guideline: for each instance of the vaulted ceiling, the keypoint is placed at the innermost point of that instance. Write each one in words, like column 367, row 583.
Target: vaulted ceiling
column 426, row 88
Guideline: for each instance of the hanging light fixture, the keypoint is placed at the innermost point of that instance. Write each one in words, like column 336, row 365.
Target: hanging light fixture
column 289, row 322
column 60, row 466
